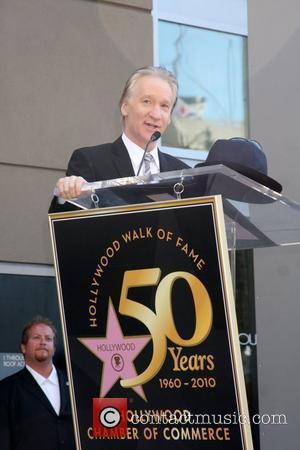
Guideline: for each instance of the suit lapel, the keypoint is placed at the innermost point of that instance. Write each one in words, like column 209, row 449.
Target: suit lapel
column 162, row 162
column 31, row 385
column 121, row 159
column 64, row 390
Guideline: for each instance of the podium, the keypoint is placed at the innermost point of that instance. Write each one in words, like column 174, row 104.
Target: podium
column 147, row 306
column 255, row 216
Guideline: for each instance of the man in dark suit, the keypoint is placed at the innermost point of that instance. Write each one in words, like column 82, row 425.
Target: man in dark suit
column 35, row 409
column 146, row 104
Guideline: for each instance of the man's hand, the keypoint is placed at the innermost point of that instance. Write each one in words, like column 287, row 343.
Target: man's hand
column 69, row 187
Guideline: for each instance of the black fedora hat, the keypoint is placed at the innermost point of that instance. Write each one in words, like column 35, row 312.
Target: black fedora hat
column 246, row 157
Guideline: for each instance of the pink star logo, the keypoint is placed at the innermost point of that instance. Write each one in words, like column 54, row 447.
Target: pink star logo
column 117, row 352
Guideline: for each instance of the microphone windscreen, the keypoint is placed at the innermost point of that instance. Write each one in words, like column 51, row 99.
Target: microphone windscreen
column 156, row 135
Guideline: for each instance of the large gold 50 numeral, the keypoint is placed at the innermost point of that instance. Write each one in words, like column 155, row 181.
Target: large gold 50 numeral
column 161, row 325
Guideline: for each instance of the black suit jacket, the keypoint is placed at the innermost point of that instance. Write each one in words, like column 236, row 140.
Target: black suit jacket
column 27, row 418
column 109, row 161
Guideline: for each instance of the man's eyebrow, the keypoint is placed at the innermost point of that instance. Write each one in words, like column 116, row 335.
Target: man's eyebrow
column 40, row 335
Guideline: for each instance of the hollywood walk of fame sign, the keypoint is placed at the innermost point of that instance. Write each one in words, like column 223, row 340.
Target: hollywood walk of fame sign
column 148, row 315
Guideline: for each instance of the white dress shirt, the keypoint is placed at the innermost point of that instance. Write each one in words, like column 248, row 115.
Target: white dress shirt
column 50, row 386
column 136, row 154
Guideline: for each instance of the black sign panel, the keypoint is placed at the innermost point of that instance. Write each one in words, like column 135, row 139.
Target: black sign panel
column 148, row 316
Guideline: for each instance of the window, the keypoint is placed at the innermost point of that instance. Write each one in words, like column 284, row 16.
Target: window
column 209, row 60
column 26, row 290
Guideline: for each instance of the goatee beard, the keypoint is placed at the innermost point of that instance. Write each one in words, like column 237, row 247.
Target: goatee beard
column 42, row 357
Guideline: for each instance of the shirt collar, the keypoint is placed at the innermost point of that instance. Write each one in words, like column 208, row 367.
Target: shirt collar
column 136, row 153
column 53, row 377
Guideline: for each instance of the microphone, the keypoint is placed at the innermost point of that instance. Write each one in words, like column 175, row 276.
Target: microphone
column 156, row 135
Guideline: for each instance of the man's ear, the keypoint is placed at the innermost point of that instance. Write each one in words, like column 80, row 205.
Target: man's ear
column 124, row 109
column 22, row 348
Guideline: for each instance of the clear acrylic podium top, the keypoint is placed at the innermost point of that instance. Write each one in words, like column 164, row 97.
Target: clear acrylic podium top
column 255, row 216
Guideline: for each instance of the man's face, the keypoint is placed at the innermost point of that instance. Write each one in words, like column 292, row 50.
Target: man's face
column 148, row 109
column 40, row 345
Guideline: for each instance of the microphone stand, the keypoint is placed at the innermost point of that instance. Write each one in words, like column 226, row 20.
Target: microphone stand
column 156, row 135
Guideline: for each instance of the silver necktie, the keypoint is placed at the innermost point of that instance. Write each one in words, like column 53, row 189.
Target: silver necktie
column 147, row 163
